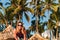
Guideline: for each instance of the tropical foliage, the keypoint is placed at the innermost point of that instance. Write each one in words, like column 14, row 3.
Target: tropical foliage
column 19, row 7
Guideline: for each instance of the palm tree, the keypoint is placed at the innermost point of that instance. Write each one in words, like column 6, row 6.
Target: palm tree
column 21, row 7
column 1, row 21
column 38, row 11
column 49, row 5
column 55, row 17
column 2, row 16
column 28, row 33
column 16, row 8
column 40, row 26
column 7, row 16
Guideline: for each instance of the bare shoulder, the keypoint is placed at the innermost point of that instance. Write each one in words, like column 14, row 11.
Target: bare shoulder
column 14, row 31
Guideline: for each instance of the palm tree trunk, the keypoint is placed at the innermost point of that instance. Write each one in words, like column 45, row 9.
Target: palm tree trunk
column 57, row 34
column 11, row 23
column 6, row 24
column 37, row 23
column 33, row 1
column 36, row 17
column 19, row 17
column 50, row 34
column 57, row 31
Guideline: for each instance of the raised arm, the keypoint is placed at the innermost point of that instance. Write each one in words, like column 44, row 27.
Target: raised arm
column 24, row 33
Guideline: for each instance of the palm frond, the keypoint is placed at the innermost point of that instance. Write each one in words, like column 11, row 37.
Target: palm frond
column 50, row 24
column 33, row 16
column 30, row 9
column 38, row 6
column 1, row 15
column 14, row 1
column 26, row 4
column 0, row 4
column 53, row 17
column 3, row 9
column 59, row 1
column 18, row 1
column 43, row 11
column 11, row 16
column 48, row 1
column 11, row 7
column 17, row 10
column 54, row 7
column 7, row 3
column 2, row 18
column 27, row 17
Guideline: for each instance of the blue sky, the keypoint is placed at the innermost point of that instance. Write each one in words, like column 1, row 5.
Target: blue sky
column 27, row 24
column 4, row 1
